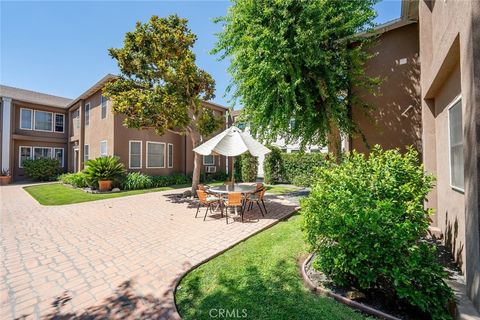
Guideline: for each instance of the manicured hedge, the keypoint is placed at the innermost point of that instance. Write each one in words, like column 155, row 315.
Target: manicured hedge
column 42, row 169
column 293, row 168
column 246, row 168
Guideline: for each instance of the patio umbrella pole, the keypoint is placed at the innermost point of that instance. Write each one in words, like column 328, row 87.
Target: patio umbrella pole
column 233, row 171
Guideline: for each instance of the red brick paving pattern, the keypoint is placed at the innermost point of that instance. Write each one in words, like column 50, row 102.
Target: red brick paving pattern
column 116, row 258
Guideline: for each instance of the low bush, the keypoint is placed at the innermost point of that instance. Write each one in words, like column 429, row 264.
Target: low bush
column 103, row 168
column 135, row 181
column 78, row 179
column 295, row 168
column 42, row 169
column 365, row 221
column 205, row 178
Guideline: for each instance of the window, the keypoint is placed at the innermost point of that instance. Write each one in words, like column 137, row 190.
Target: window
column 135, row 154
column 455, row 129
column 43, row 121
column 86, row 152
column 209, row 160
column 104, row 107
column 25, row 153
column 42, row 153
column 155, row 155
column 59, row 121
column 170, row 155
column 26, row 119
column 87, row 114
column 103, row 148
column 58, row 154
column 77, row 118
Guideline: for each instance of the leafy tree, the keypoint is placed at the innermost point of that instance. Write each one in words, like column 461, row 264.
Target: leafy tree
column 160, row 86
column 293, row 63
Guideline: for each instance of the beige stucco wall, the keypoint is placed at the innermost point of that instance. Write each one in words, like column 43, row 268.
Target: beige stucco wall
column 384, row 123
column 98, row 129
column 450, row 54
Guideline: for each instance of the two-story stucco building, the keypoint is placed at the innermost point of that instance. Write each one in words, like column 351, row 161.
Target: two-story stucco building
column 36, row 125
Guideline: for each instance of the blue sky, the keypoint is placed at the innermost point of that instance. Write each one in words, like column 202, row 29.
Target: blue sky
column 61, row 47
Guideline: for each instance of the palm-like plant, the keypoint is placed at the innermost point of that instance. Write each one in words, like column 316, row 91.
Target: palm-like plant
column 103, row 168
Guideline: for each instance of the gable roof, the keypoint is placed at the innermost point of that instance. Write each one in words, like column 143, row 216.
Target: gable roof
column 34, row 97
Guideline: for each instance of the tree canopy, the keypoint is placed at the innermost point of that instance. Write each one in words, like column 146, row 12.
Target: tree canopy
column 293, row 63
column 160, row 87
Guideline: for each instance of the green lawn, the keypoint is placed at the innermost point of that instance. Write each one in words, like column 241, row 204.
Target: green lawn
column 260, row 276
column 281, row 189
column 58, row 194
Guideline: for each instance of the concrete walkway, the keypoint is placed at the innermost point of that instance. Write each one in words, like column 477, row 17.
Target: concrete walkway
column 116, row 258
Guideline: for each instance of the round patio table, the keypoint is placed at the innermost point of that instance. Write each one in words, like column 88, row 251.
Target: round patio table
column 225, row 189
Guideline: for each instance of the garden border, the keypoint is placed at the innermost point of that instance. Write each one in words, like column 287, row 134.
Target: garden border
column 356, row 305
column 181, row 276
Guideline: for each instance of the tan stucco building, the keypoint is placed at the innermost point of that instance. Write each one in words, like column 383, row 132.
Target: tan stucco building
column 36, row 125
column 430, row 98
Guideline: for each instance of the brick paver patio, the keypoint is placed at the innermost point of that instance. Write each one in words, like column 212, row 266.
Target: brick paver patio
column 116, row 258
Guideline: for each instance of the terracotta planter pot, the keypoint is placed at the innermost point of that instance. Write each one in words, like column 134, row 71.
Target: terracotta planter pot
column 105, row 185
column 4, row 180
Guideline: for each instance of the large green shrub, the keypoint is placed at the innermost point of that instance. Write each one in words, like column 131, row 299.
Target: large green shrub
column 42, row 169
column 365, row 219
column 103, row 168
column 249, row 167
column 296, row 168
column 136, row 180
column 78, row 179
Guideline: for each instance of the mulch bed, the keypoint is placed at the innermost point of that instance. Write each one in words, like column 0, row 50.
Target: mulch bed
column 379, row 298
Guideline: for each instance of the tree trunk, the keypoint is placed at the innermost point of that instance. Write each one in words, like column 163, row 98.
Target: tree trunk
column 197, row 161
column 334, row 142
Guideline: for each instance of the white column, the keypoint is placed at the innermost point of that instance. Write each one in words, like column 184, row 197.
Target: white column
column 6, row 118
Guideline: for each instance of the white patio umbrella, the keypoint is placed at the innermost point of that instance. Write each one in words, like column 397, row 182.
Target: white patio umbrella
column 232, row 142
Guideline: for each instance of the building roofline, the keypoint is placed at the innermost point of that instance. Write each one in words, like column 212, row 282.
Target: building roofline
column 34, row 97
column 93, row 89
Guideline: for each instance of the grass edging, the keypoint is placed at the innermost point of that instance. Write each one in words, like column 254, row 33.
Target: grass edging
column 181, row 276
column 356, row 305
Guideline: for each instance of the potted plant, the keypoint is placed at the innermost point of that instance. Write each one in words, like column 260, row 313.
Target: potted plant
column 102, row 171
column 5, row 177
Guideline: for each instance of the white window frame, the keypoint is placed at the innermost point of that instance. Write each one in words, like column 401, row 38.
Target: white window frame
column 20, row 154
column 103, row 107
column 77, row 118
column 87, row 147
column 168, row 155
column 55, row 122
column 454, row 101
column 35, row 120
column 209, row 164
column 130, row 154
column 31, row 119
column 106, row 148
column 87, row 111
column 164, row 153
column 39, row 147
column 63, row 155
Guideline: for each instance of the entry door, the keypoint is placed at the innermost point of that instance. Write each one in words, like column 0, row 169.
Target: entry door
column 76, row 154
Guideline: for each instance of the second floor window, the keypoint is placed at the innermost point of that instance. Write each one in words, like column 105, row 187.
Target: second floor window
column 87, row 114
column 43, row 121
column 59, row 122
column 104, row 107
column 26, row 119
column 103, row 148
column 77, row 118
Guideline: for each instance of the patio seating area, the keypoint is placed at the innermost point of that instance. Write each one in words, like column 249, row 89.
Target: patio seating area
column 145, row 240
